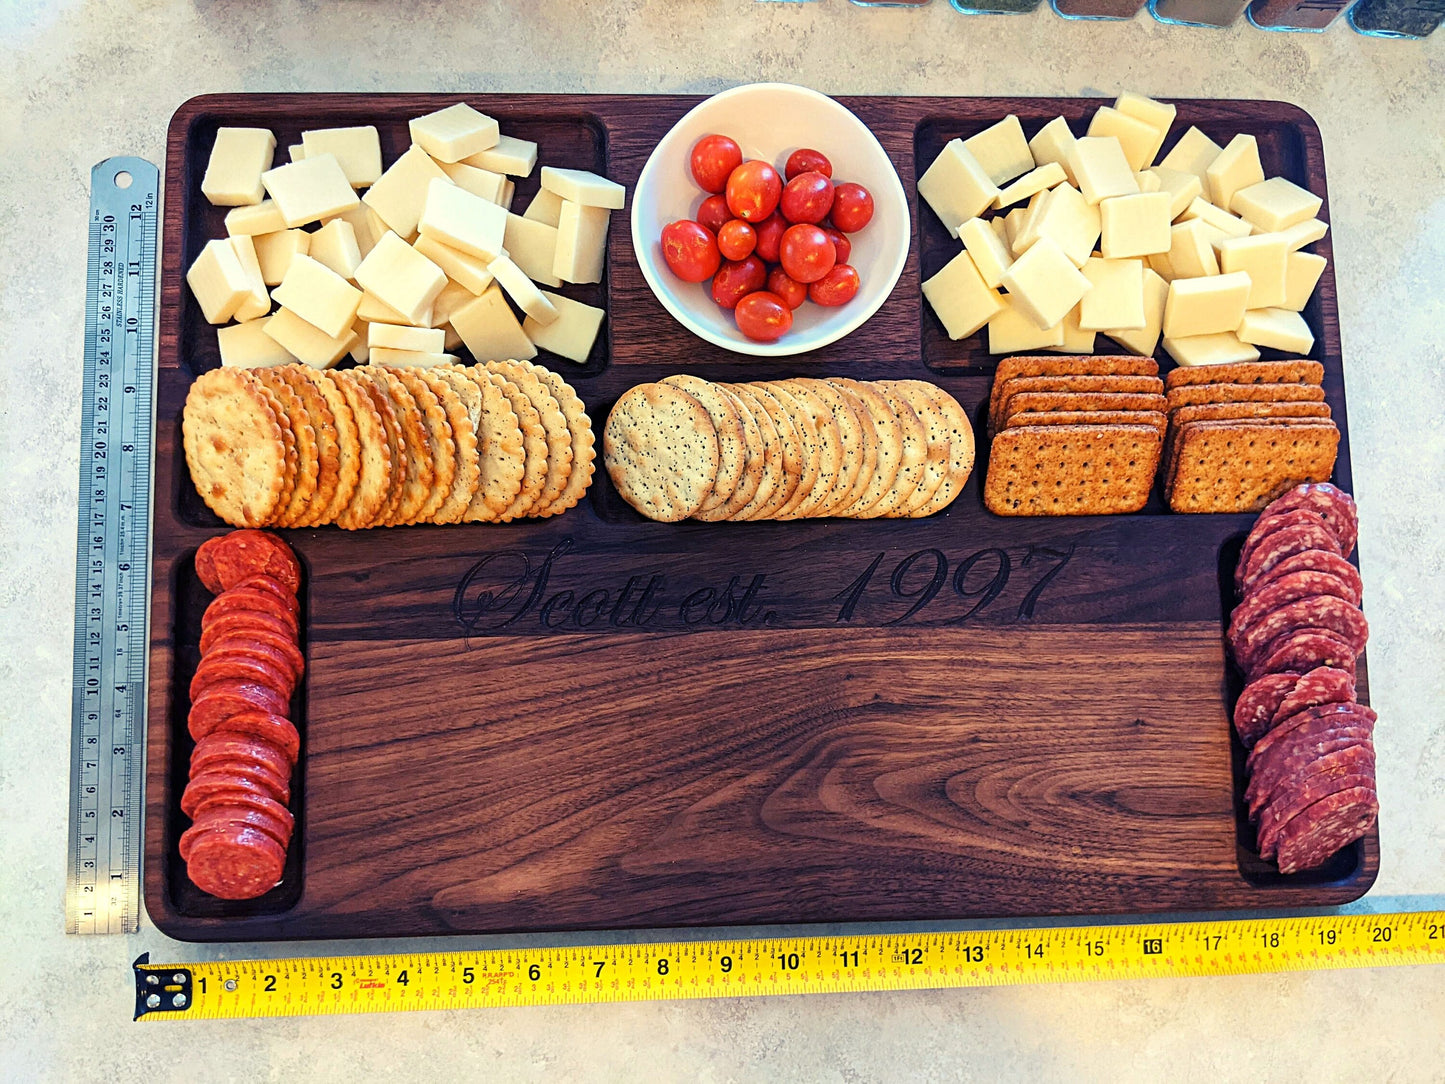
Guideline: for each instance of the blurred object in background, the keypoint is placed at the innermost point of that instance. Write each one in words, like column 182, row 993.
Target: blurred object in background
column 995, row 7
column 1311, row 15
column 1397, row 18
column 1198, row 12
column 1097, row 9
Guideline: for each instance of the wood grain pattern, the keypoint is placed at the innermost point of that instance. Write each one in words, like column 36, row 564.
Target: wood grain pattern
column 596, row 720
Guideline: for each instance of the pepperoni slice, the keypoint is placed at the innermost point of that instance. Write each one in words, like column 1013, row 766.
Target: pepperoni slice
column 1330, row 503
column 249, row 600
column 277, row 648
column 270, row 727
column 224, row 746
column 245, row 621
column 226, row 560
column 225, row 699
column 235, row 664
column 250, row 800
column 1314, row 561
column 236, row 862
column 219, row 816
column 273, row 586
column 1258, row 703
column 1312, row 837
column 236, row 777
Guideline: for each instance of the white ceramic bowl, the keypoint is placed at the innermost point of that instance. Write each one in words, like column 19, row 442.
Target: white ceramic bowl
column 770, row 121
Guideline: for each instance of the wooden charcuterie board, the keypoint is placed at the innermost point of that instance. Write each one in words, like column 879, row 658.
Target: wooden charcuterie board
column 597, row 721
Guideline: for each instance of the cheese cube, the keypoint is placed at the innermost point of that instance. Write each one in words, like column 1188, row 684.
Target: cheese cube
column 416, row 359
column 1148, row 181
column 366, row 226
column 490, row 331
column 1157, row 115
column 258, row 303
column 545, row 207
column 400, row 193
column 1163, row 266
column 956, row 186
column 254, row 218
column 990, row 255
column 1223, row 348
column 357, row 149
column 581, row 186
column 296, row 152
column 1076, row 339
column 1031, row 183
column 1144, row 341
column 1103, row 171
column 462, row 267
column 453, row 339
column 571, row 334
column 1205, row 306
column 247, row 346
column 463, row 220
column 1302, row 273
column 522, row 290
column 1183, row 188
column 533, row 245
column 479, row 182
column 1001, row 150
column 218, row 281
column 1117, row 297
column 1263, row 258
column 319, row 296
column 513, row 156
column 334, row 245
column 1275, row 205
column 310, row 190
column 1237, row 167
column 1013, row 224
column 581, row 246
column 1305, row 233
column 1191, row 255
column 402, row 278
column 275, row 250
column 360, row 352
column 999, row 225
column 1138, row 140
column 1053, row 143
column 374, row 310
column 1281, row 329
column 454, row 133
column 509, row 193
column 1134, row 225
column 1194, row 153
column 453, row 296
column 233, row 172
column 1221, row 224
column 308, row 343
column 961, row 299
column 1067, row 219
column 1011, row 331
column 1044, row 284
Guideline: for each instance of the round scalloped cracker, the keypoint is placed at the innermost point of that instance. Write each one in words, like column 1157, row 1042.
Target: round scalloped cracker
column 441, row 446
column 857, row 446
column 369, row 383
column 804, row 432
column 288, row 438
column 323, row 424
column 915, row 453
column 534, row 447
column 661, row 451
column 755, row 452
column 818, row 413
column 584, row 444
column 239, row 479
column 961, row 454
column 308, row 458
column 502, row 458
column 416, row 485
column 922, row 397
column 462, row 400
column 742, row 506
column 372, row 452
column 889, row 432
column 793, row 452
column 348, row 448
column 732, row 452
column 868, row 453
column 554, row 426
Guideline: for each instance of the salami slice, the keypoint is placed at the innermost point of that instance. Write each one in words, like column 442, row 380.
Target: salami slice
column 1315, row 612
column 1281, row 544
column 1322, row 685
column 263, row 803
column 235, row 863
column 277, row 650
column 222, row 746
column 1312, row 837
column 221, row 701
column 1330, row 503
column 1258, row 703
column 1277, row 593
column 1314, row 561
column 1343, row 769
column 273, row 586
column 1339, row 714
column 249, row 600
column 243, row 778
column 1304, row 649
column 245, row 621
column 215, row 817
column 1267, row 524
column 268, row 726
column 235, row 664
column 226, row 560
column 1286, row 762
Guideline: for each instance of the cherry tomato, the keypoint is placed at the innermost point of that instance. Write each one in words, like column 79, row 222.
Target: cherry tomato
column 714, row 157
column 841, row 243
column 793, row 293
column 770, row 235
column 806, row 253
column 852, row 207
column 808, row 197
column 736, row 240
column 837, row 287
column 807, row 161
column 735, row 280
column 691, row 251
column 763, row 317
column 714, row 213
column 754, row 189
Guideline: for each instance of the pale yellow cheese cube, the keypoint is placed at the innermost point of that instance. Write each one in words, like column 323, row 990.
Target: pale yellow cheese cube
column 1053, row 143
column 533, row 245
column 233, row 172
column 258, row 303
column 255, row 218
column 366, row 226
column 1070, row 221
column 1076, row 339
column 1117, row 297
column 1183, row 188
column 581, row 247
column 454, row 133
column 584, row 187
column 247, row 346
column 1138, row 140
column 1044, row 284
column 1144, row 341
column 571, row 334
column 374, row 310
column 956, row 186
column 509, row 155
column 402, row 278
column 999, row 225
column 1205, row 306
column 357, row 149
column 416, row 359
column 360, row 352
column 1261, row 257
column 1161, row 265
column 1148, row 181
column 1191, row 255
column 1011, row 331
column 1275, row 205
column 1280, row 329
column 1103, row 171
column 1030, row 184
column 1194, row 153
column 296, row 152
column 490, row 331
column 1013, row 224
column 319, row 296
column 310, row 190
column 1221, row 348
column 453, row 339
column 509, row 193
column 462, row 267
column 463, row 220
column 1302, row 274
column 990, row 255
column 522, row 289
column 1134, row 225
column 1001, row 150
column 1221, row 224
column 334, row 245
column 306, row 342
column 218, row 282
column 453, row 296
column 479, row 182
column 1157, row 115
column 960, row 298
column 275, row 250
column 1305, row 233
column 400, row 193
column 1236, row 167
column 545, row 207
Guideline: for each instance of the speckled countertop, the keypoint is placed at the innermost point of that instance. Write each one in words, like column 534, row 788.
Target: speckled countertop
column 84, row 80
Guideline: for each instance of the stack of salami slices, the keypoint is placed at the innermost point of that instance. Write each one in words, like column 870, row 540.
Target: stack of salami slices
column 246, row 746
column 1296, row 634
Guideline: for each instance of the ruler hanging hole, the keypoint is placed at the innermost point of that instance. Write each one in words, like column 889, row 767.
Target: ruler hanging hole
column 123, row 179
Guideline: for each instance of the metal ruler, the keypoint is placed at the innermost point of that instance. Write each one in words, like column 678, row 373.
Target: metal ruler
column 802, row 965
column 112, row 553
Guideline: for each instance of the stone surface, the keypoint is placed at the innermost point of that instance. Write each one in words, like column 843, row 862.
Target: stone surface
column 83, row 80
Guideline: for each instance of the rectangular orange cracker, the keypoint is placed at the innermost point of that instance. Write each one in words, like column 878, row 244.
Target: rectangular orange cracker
column 1071, row 470
column 1103, row 382
column 1090, row 417
column 1247, row 372
column 1067, row 365
column 1026, row 402
column 1194, row 394
column 1240, row 466
column 1170, row 461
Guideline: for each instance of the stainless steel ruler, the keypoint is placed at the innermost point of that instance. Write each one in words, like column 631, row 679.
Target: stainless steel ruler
column 112, row 553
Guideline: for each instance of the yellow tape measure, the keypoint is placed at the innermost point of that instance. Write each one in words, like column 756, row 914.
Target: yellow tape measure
column 797, row 965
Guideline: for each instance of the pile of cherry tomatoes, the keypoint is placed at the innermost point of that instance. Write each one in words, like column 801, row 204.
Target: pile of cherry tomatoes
column 768, row 243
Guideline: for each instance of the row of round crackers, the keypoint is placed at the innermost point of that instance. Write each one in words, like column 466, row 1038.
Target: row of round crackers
column 787, row 449
column 381, row 446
